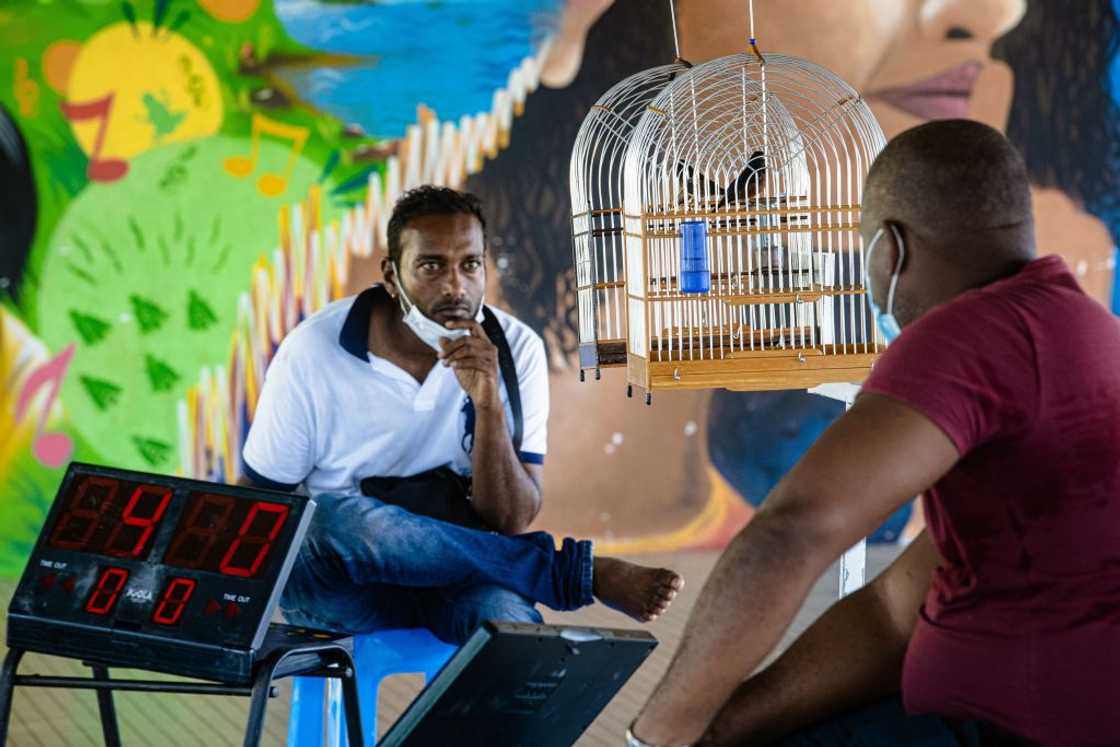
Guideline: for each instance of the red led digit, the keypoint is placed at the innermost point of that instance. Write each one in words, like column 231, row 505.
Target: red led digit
column 201, row 527
column 70, row 522
column 174, row 601
column 108, row 588
column 130, row 518
column 248, row 537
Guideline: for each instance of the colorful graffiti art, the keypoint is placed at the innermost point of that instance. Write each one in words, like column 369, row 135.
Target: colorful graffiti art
column 188, row 180
column 185, row 180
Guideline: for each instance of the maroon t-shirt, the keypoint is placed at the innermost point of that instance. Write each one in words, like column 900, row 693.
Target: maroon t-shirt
column 1021, row 625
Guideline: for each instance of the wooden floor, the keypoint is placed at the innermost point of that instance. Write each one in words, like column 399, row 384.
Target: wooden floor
column 57, row 718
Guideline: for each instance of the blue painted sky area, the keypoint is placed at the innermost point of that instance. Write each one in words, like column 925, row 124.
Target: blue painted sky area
column 1116, row 61
column 450, row 55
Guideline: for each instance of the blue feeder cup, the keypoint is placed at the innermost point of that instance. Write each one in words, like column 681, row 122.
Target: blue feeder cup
column 695, row 276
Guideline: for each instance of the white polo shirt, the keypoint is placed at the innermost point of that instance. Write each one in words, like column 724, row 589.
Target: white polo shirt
column 331, row 413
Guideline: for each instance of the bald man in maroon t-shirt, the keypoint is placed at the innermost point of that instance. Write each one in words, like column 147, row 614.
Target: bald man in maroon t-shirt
column 999, row 403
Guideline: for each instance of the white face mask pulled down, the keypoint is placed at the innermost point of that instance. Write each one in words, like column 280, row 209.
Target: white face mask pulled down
column 428, row 330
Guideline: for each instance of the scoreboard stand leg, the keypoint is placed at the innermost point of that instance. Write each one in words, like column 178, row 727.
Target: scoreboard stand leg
column 262, row 686
column 109, row 728
column 353, row 709
column 330, row 660
column 338, row 663
column 104, row 699
column 7, row 685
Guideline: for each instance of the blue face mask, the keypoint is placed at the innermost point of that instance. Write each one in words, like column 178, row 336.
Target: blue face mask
column 888, row 325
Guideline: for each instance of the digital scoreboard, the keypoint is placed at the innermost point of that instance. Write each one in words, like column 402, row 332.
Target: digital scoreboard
column 157, row 572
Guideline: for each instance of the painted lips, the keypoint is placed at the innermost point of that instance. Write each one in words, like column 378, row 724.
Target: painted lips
column 944, row 96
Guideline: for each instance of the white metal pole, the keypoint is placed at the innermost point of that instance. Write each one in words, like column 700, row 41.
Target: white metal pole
column 853, row 563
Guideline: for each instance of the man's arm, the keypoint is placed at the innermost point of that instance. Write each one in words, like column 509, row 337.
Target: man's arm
column 507, row 493
column 852, row 655
column 873, row 459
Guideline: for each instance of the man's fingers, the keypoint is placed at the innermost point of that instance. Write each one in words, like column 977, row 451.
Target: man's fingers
column 471, row 326
column 475, row 367
column 467, row 345
column 450, row 345
column 471, row 353
column 466, row 354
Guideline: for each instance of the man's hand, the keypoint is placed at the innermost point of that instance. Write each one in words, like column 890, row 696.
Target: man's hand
column 475, row 362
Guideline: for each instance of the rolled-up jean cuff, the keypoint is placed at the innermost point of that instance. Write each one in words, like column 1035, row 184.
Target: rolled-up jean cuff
column 571, row 575
column 586, row 566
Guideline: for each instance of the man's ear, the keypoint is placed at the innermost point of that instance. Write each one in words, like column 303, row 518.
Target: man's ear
column 897, row 244
column 389, row 275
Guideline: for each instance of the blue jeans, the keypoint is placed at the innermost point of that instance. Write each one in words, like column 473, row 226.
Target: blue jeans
column 366, row 565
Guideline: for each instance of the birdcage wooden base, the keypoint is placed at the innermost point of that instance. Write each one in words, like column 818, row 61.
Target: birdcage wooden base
column 602, row 354
column 765, row 370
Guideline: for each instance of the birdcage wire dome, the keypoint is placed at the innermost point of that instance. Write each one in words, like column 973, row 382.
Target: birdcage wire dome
column 597, row 193
column 748, row 171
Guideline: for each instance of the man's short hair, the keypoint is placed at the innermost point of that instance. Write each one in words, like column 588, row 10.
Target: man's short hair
column 950, row 177
column 425, row 201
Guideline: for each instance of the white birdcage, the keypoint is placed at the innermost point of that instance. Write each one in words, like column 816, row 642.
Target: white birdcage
column 744, row 263
column 597, row 230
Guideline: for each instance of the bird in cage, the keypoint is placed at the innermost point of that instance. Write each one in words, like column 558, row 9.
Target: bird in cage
column 700, row 189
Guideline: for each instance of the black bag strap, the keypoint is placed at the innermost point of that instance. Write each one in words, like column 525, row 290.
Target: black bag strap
column 497, row 335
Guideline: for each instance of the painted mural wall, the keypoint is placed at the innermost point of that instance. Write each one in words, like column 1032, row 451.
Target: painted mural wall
column 181, row 181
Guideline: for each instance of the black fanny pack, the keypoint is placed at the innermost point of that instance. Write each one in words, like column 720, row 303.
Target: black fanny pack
column 442, row 493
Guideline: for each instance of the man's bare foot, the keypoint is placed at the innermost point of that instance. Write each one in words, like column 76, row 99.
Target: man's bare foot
column 640, row 592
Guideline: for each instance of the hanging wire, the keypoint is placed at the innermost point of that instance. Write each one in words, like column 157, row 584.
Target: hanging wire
column 753, row 38
column 673, row 19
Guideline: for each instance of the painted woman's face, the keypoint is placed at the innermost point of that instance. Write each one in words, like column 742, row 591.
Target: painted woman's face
column 913, row 60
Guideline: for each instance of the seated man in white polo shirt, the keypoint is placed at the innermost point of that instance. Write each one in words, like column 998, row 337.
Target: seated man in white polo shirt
column 416, row 379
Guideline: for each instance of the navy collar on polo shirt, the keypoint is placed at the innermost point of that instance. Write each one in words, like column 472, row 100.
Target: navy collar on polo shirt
column 354, row 337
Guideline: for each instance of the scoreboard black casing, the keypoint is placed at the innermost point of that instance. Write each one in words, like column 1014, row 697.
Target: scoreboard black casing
column 217, row 632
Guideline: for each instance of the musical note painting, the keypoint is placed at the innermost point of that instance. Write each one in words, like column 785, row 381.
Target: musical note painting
column 271, row 184
column 37, row 398
column 101, row 168
column 26, row 89
column 170, row 94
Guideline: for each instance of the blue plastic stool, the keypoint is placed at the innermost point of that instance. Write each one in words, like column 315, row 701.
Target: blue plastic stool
column 376, row 656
